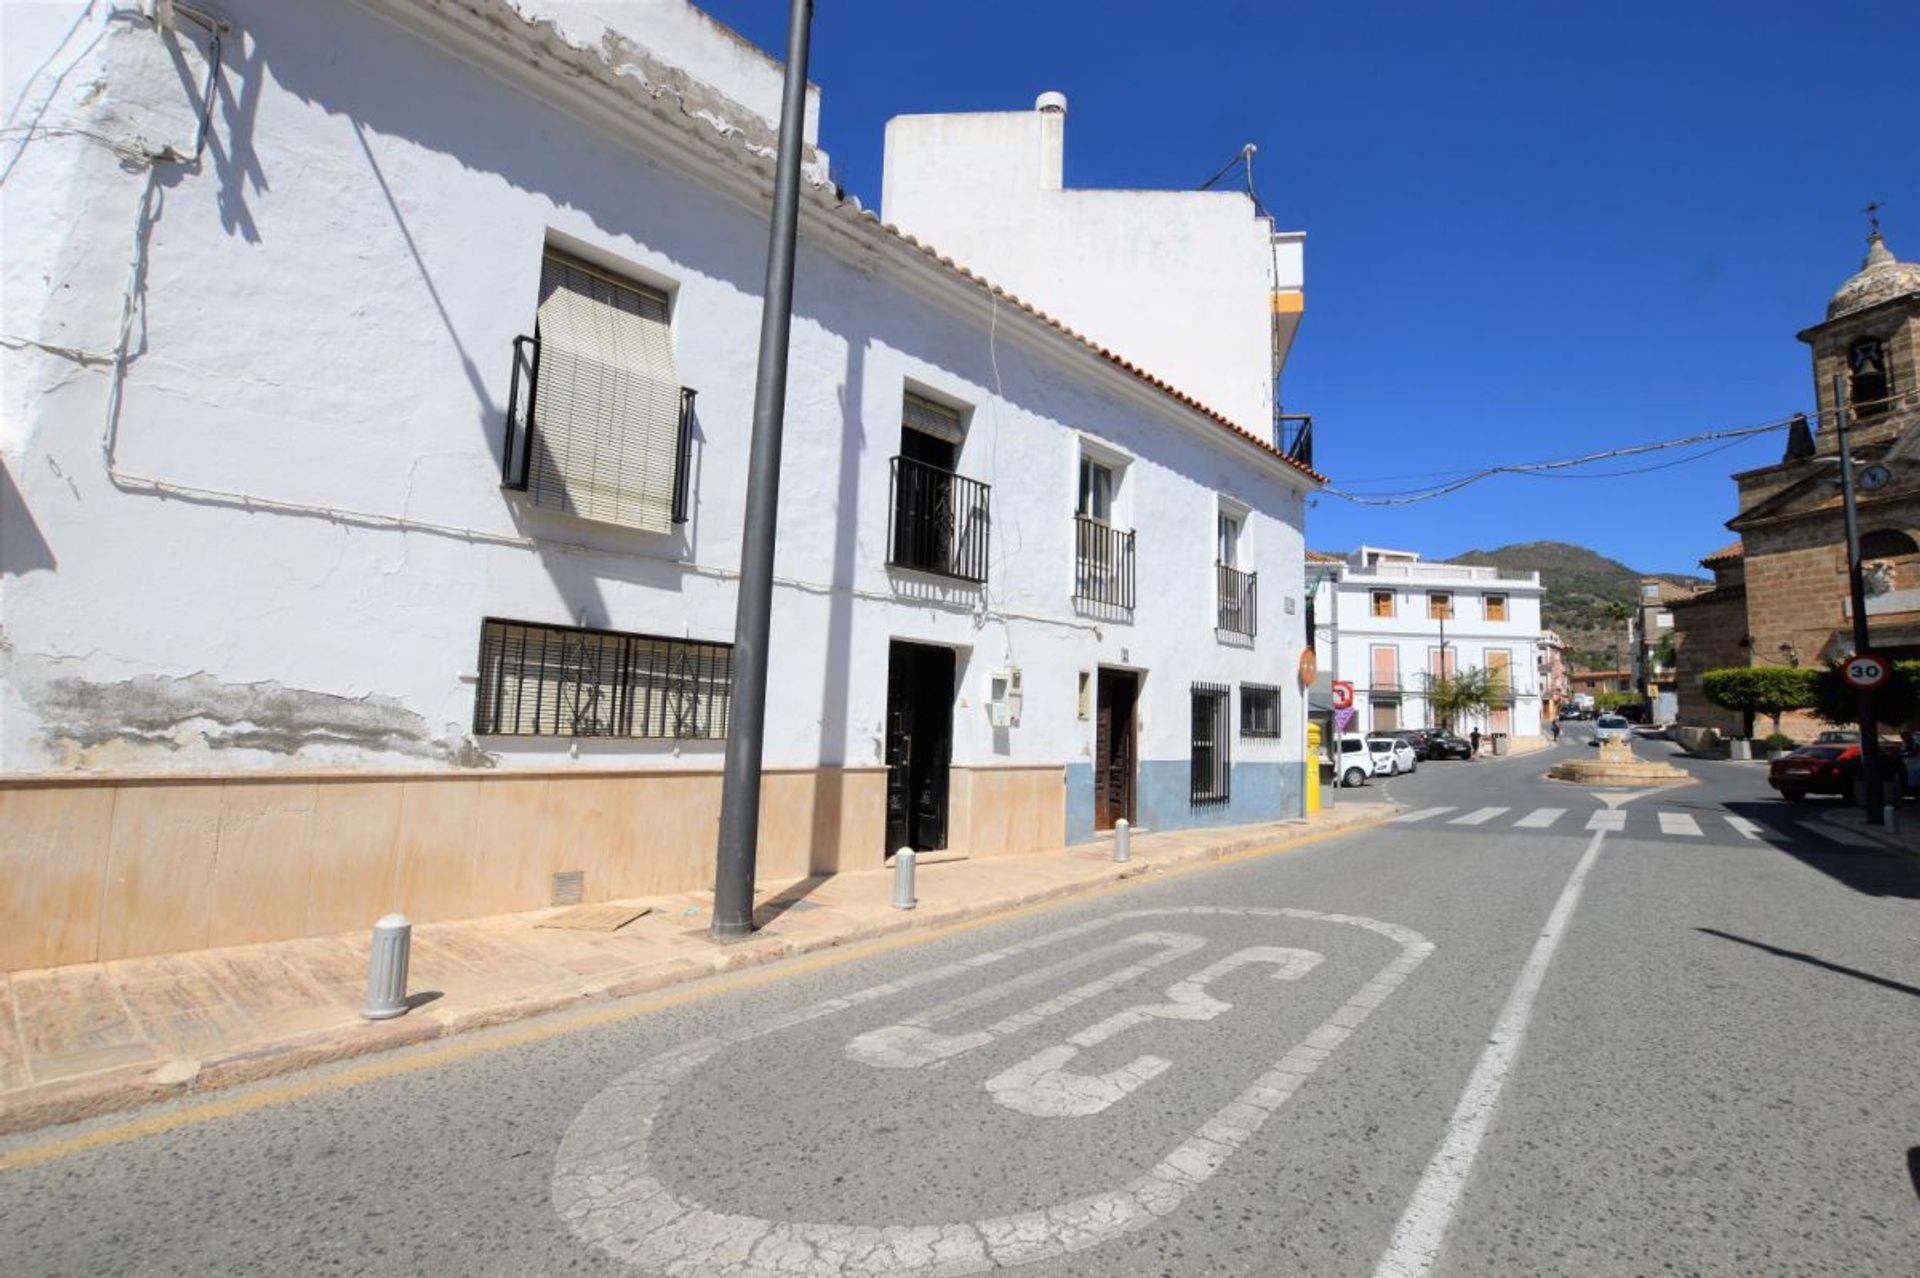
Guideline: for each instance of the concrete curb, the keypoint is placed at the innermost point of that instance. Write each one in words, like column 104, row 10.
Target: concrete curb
column 132, row 1087
column 1892, row 842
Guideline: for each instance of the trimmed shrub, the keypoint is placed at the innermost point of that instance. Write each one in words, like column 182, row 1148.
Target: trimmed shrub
column 1768, row 690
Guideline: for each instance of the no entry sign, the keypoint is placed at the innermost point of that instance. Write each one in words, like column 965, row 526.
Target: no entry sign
column 1865, row 671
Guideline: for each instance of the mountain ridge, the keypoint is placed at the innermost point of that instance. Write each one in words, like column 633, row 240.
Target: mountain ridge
column 1584, row 592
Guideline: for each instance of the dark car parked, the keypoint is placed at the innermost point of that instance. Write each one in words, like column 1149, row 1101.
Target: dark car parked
column 1831, row 769
column 1442, row 744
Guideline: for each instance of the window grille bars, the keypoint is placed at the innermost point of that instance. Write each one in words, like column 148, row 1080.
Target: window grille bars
column 523, row 384
column 1259, row 710
column 1238, row 600
column 1102, row 563
column 566, row 681
column 939, row 522
column 1212, row 764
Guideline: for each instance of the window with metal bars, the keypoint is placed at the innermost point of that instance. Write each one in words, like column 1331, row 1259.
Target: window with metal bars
column 1212, row 760
column 603, row 429
column 1259, row 710
column 568, row 681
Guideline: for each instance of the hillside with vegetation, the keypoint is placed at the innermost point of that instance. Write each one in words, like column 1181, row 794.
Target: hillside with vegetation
column 1588, row 596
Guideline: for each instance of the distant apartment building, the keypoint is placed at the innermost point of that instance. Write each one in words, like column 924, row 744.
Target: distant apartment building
column 1650, row 644
column 1555, row 687
column 1386, row 622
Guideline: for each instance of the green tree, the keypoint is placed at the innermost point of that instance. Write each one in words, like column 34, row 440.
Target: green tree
column 1451, row 695
column 1896, row 702
column 1751, row 690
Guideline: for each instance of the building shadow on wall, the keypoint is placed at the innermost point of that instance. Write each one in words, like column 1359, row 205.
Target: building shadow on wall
column 832, row 841
column 22, row 547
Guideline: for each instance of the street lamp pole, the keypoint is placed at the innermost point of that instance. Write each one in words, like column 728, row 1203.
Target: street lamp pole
column 738, row 848
column 1856, row 586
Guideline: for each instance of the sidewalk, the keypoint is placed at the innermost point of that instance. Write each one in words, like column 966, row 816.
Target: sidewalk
column 1904, row 838
column 99, row 1037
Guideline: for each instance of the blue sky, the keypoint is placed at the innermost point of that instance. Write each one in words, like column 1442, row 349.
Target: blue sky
column 1534, row 230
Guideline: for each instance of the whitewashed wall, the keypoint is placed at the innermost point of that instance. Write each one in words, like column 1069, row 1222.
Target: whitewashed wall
column 304, row 527
column 1178, row 281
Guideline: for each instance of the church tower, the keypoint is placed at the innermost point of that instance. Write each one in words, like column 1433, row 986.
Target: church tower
column 1871, row 339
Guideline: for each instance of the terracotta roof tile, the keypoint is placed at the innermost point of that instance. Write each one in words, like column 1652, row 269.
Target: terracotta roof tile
column 1724, row 555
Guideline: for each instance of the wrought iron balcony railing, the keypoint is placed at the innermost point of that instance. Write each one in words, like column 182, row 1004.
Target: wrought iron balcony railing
column 600, row 391
column 1102, row 563
column 1239, row 599
column 939, row 522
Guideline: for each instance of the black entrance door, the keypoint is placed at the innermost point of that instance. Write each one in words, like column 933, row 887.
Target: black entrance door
column 1113, row 748
column 919, row 745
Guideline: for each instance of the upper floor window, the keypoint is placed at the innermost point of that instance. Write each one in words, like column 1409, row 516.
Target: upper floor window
column 1885, row 543
column 941, row 521
column 1097, row 485
column 1650, row 591
column 1439, row 605
column 604, row 427
column 1227, row 538
column 1496, row 607
column 1872, row 387
column 1383, row 603
column 1234, row 589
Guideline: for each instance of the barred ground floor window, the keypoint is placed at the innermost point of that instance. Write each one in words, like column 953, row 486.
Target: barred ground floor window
column 1212, row 764
column 569, row 681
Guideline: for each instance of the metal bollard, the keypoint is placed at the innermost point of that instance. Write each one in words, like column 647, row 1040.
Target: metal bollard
column 1892, row 823
column 387, row 974
column 1122, row 841
column 903, row 879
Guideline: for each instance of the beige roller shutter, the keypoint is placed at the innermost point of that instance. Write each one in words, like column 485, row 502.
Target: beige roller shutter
column 932, row 419
column 607, row 407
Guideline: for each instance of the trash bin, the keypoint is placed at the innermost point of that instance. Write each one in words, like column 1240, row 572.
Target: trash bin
column 1499, row 743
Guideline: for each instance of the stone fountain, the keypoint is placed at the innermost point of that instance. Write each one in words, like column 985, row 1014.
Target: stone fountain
column 1617, row 765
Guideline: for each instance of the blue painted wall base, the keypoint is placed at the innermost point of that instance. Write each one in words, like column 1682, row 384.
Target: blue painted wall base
column 1260, row 792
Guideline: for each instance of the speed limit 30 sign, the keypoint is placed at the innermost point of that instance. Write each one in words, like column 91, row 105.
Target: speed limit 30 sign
column 1865, row 672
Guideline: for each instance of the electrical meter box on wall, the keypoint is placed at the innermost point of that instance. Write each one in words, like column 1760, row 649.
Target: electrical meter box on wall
column 1004, row 697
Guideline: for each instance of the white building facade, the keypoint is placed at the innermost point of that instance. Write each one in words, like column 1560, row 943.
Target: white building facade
column 376, row 425
column 1384, row 622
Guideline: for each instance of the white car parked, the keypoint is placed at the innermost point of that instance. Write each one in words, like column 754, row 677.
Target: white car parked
column 1611, row 727
column 1352, row 761
column 1392, row 756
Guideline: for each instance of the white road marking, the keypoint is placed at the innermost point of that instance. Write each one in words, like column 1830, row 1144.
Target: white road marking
column 1748, row 829
column 1042, row 1086
column 909, row 1044
column 1840, row 834
column 1607, row 820
column 1422, row 1228
column 1479, row 816
column 1408, row 818
column 607, row 1194
column 1539, row 818
column 1679, row 823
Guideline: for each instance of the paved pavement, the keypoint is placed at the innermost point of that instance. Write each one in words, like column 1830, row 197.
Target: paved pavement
column 1426, row 1047
column 92, row 1038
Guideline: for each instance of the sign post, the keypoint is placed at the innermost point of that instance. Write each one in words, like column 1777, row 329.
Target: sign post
column 1873, row 670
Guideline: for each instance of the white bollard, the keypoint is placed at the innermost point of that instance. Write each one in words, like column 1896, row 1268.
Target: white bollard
column 1892, row 819
column 387, row 972
column 1122, row 841
column 903, row 898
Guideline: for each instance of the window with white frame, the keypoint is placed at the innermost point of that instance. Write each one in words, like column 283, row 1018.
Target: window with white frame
column 1102, row 551
column 1234, row 588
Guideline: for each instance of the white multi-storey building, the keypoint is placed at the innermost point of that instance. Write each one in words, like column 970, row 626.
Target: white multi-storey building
column 1384, row 622
column 377, row 392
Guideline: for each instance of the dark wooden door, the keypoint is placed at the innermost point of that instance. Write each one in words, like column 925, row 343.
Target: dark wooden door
column 1113, row 754
column 919, row 745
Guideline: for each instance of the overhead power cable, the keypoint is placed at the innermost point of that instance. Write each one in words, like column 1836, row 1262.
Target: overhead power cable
column 1567, row 463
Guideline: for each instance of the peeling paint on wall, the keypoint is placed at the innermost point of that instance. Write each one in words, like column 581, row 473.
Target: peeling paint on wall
column 153, row 719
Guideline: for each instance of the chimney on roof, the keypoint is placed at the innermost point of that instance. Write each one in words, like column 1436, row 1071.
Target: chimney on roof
column 1052, row 109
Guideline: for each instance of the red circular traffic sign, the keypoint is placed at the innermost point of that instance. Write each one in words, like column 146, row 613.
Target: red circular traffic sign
column 1342, row 694
column 1309, row 667
column 1865, row 671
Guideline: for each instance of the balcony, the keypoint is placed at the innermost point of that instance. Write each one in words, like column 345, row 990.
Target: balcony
column 619, row 449
column 939, row 522
column 1102, row 564
column 1239, row 598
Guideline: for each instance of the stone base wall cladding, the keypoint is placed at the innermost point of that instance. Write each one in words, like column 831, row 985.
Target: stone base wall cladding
column 101, row 868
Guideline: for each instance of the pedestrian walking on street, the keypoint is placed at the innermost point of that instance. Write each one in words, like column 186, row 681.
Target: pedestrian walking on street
column 1474, row 739
column 1554, row 727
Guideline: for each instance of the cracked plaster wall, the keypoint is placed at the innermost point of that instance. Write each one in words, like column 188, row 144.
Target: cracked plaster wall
column 326, row 315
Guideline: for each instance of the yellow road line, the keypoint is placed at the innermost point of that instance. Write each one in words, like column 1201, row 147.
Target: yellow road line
column 499, row 1040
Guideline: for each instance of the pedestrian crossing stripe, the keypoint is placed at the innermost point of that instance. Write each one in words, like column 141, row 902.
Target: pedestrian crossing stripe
column 1614, row 821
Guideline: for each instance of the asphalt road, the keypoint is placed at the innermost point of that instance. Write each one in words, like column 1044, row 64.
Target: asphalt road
column 1485, row 1039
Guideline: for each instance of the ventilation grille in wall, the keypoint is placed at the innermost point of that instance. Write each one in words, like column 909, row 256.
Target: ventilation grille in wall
column 569, row 887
